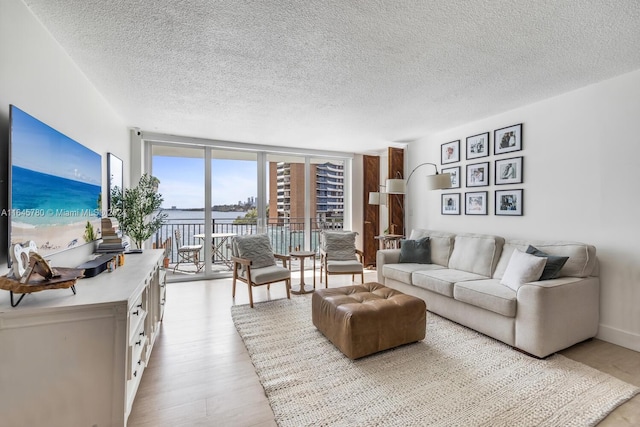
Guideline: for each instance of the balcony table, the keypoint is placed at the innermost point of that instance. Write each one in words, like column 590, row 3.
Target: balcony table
column 218, row 241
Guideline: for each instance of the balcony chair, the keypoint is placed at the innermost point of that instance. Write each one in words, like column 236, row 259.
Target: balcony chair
column 187, row 253
column 254, row 263
column 338, row 255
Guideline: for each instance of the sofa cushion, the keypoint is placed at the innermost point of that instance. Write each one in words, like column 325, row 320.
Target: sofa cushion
column 402, row 272
column 552, row 267
column 415, row 251
column 488, row 294
column 523, row 268
column 440, row 242
column 476, row 253
column 582, row 260
column 441, row 281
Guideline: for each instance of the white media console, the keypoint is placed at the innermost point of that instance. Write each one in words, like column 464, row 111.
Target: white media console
column 77, row 360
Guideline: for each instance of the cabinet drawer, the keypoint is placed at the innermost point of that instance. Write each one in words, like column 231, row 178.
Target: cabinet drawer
column 137, row 313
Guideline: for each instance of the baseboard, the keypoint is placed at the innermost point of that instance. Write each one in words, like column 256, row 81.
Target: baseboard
column 619, row 337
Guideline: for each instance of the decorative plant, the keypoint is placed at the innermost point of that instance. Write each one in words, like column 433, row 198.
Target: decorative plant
column 138, row 210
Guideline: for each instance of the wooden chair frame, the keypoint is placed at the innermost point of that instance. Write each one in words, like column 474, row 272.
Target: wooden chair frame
column 246, row 263
column 323, row 266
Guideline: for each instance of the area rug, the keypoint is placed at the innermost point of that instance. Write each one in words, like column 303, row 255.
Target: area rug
column 455, row 377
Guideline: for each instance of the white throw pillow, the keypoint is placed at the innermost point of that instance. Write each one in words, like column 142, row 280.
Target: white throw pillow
column 522, row 268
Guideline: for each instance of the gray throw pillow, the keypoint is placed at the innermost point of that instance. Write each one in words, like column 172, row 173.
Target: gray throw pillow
column 257, row 248
column 554, row 263
column 415, row 251
column 340, row 245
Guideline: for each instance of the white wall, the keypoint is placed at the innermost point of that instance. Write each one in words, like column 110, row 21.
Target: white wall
column 581, row 154
column 37, row 76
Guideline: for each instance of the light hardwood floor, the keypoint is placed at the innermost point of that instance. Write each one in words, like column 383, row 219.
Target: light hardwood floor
column 200, row 373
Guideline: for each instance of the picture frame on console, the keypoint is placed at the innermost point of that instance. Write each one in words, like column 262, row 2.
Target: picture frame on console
column 508, row 171
column 478, row 174
column 455, row 175
column 450, row 152
column 508, row 139
column 475, row 203
column 450, row 204
column 509, row 202
column 478, row 146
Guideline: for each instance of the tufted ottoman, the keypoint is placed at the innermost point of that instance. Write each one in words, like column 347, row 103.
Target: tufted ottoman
column 364, row 319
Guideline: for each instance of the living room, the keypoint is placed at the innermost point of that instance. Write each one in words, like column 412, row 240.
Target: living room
column 576, row 139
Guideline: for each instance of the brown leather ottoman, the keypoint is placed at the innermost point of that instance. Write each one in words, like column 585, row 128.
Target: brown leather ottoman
column 364, row 319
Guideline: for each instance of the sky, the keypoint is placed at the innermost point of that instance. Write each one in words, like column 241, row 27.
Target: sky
column 37, row 146
column 182, row 181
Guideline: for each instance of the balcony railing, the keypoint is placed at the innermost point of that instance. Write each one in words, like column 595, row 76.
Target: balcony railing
column 285, row 234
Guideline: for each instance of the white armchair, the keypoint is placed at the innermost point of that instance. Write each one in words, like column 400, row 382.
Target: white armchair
column 254, row 263
column 338, row 255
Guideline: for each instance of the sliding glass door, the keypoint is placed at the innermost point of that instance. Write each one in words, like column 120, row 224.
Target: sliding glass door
column 212, row 194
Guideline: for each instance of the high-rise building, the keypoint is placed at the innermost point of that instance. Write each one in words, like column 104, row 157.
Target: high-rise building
column 286, row 193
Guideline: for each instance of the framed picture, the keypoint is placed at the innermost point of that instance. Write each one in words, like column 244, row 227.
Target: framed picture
column 115, row 174
column 478, row 146
column 507, row 139
column 478, row 174
column 509, row 202
column 455, row 176
column 451, row 204
column 509, row 171
column 450, row 152
column 475, row 203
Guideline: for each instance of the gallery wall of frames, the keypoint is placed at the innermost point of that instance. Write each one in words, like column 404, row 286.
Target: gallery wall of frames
column 488, row 161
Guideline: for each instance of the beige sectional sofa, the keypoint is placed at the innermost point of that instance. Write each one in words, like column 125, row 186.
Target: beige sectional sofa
column 463, row 284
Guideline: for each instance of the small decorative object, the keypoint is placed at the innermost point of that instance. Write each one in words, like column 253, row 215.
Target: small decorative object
column 478, row 174
column 478, row 146
column 455, row 176
column 475, row 203
column 450, row 152
column 20, row 258
column 509, row 171
column 507, row 139
column 41, row 266
column 509, row 202
column 451, row 204
column 138, row 210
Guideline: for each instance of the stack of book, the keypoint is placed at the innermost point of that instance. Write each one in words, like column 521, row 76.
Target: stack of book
column 111, row 238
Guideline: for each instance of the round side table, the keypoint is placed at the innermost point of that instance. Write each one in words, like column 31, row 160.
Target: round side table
column 303, row 288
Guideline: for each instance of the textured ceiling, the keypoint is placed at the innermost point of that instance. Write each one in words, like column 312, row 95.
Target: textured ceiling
column 339, row 74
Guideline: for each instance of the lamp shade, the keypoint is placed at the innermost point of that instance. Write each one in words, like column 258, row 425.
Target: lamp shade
column 439, row 182
column 376, row 198
column 396, row 186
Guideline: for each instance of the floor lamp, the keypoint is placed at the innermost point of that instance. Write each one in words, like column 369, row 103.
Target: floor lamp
column 438, row 181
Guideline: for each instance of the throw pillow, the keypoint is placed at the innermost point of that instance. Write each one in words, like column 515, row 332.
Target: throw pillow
column 522, row 268
column 340, row 245
column 416, row 251
column 554, row 263
column 257, row 248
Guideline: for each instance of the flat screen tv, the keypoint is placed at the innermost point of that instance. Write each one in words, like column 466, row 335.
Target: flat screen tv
column 55, row 190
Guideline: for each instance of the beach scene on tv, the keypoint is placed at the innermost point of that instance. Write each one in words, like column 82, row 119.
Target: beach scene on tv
column 56, row 187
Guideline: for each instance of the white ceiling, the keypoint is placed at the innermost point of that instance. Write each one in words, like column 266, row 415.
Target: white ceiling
column 339, row 75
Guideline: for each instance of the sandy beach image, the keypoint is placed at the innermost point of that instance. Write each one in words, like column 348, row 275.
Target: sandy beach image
column 50, row 239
